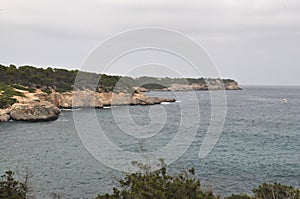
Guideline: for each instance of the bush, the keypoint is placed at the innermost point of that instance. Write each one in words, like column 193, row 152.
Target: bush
column 47, row 90
column 31, row 90
column 63, row 89
column 239, row 196
column 270, row 191
column 6, row 101
column 154, row 86
column 159, row 184
column 6, row 95
column 11, row 188
column 63, row 80
column 9, row 91
column 276, row 191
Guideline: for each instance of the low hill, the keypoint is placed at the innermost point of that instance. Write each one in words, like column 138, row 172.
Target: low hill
column 62, row 80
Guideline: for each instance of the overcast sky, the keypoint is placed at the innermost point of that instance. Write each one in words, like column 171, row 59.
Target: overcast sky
column 252, row 41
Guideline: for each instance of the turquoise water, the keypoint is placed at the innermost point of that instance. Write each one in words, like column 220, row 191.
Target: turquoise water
column 260, row 142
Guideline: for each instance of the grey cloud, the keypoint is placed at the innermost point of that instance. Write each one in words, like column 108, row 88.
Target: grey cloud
column 233, row 31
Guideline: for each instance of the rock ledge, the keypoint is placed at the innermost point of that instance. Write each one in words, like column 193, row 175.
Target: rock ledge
column 34, row 111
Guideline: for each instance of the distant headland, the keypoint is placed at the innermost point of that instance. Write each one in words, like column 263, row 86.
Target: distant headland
column 29, row 93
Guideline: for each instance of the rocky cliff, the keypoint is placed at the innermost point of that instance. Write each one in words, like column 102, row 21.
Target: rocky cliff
column 4, row 115
column 34, row 111
column 76, row 99
column 40, row 106
column 212, row 85
column 35, row 92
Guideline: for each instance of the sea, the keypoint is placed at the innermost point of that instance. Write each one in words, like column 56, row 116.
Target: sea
column 258, row 140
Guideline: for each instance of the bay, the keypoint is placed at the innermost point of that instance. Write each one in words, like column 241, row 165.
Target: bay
column 260, row 142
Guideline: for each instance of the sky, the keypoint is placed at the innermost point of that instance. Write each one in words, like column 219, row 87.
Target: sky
column 251, row 41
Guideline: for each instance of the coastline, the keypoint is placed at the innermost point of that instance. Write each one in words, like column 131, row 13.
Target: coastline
column 40, row 106
column 28, row 93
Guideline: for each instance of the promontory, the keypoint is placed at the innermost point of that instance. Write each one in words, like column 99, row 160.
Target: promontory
column 34, row 94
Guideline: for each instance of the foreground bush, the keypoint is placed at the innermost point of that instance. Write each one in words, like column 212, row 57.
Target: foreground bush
column 276, row 191
column 6, row 95
column 158, row 184
column 239, row 196
column 270, row 191
column 11, row 188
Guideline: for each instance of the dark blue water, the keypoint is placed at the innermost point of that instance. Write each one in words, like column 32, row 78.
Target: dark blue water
column 260, row 142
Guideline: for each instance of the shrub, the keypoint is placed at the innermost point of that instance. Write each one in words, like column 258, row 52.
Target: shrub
column 9, row 91
column 154, row 86
column 47, row 90
column 6, row 101
column 31, row 90
column 270, row 191
column 6, row 95
column 159, row 184
column 239, row 196
column 11, row 188
column 276, row 191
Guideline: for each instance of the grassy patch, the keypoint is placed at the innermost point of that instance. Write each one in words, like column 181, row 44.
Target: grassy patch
column 30, row 90
column 7, row 92
column 47, row 90
column 5, row 101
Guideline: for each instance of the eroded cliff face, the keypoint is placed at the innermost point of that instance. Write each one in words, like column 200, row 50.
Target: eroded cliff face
column 76, row 99
column 72, row 99
column 216, row 85
column 40, row 106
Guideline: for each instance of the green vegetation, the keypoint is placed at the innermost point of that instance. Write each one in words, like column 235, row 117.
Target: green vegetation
column 6, row 101
column 157, row 184
column 6, row 94
column 33, row 77
column 276, row 190
column 30, row 90
column 9, row 91
column 62, row 80
column 270, row 191
column 29, row 78
column 11, row 188
column 47, row 90
column 154, row 86
column 239, row 196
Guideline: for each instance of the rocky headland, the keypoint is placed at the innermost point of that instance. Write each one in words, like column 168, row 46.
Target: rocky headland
column 41, row 106
column 217, row 85
column 34, row 94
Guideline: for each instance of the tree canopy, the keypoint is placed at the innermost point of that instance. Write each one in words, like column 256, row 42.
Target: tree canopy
column 63, row 80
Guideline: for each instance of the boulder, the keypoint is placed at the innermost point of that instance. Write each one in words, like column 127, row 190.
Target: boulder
column 34, row 111
column 140, row 99
column 232, row 86
column 141, row 89
column 4, row 115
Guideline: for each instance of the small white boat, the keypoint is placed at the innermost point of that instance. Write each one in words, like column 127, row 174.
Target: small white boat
column 284, row 101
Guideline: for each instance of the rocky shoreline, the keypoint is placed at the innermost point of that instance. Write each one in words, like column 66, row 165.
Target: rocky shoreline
column 40, row 106
column 215, row 85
